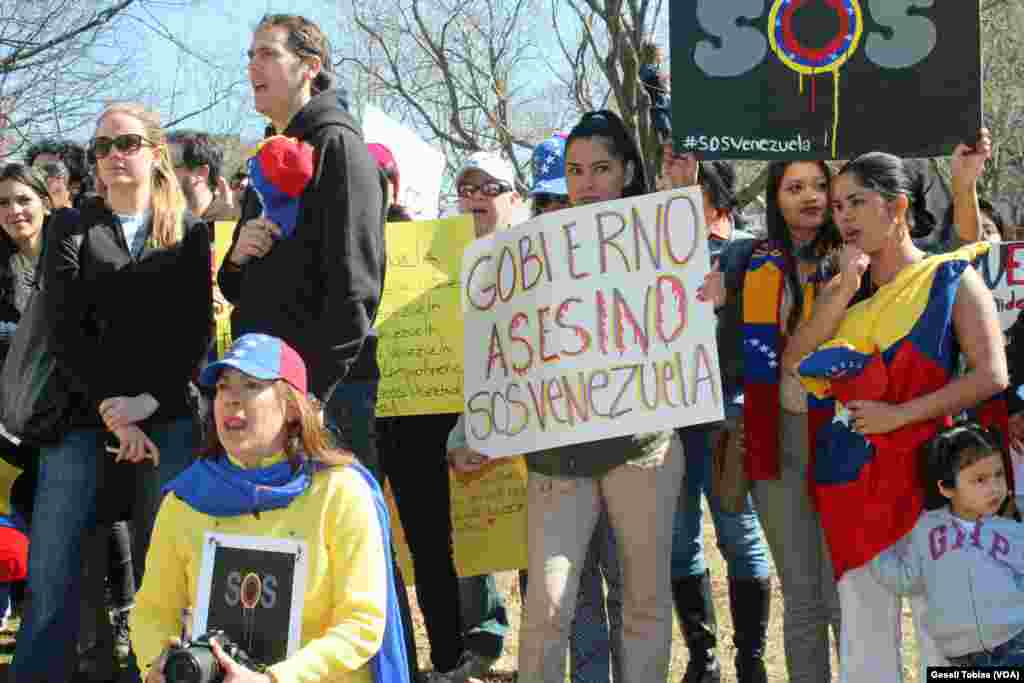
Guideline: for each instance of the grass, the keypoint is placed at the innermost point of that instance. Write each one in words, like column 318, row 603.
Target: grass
column 507, row 583
column 775, row 658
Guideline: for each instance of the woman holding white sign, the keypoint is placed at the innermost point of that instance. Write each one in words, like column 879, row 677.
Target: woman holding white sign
column 764, row 290
column 270, row 472
column 635, row 478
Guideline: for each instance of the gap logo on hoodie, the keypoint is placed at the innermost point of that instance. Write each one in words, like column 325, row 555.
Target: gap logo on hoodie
column 279, row 172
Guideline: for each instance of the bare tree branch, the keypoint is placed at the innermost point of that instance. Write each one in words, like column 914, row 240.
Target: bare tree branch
column 100, row 19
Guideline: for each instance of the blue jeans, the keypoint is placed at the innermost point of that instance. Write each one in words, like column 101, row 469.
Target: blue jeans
column 1010, row 653
column 72, row 475
column 740, row 538
column 351, row 415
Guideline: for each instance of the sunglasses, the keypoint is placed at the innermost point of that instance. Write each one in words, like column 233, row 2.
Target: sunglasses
column 489, row 189
column 129, row 143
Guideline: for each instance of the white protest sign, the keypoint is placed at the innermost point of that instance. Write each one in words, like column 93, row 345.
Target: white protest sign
column 1003, row 272
column 583, row 325
column 420, row 166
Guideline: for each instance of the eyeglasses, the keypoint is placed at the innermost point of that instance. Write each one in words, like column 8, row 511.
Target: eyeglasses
column 129, row 143
column 489, row 189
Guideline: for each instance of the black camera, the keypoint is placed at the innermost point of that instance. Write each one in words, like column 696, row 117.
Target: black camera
column 194, row 661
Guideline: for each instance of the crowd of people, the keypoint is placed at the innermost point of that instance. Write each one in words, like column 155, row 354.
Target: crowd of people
column 865, row 453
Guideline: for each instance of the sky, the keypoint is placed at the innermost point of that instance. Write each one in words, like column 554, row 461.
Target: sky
column 221, row 29
column 224, row 28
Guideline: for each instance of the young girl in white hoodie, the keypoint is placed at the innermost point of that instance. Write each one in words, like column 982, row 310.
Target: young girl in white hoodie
column 964, row 554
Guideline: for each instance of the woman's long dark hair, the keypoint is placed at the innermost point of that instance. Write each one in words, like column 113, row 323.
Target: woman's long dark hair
column 30, row 178
column 890, row 177
column 718, row 180
column 609, row 127
column 826, row 243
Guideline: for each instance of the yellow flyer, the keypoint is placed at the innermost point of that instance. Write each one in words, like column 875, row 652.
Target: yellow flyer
column 419, row 324
column 488, row 521
column 223, row 232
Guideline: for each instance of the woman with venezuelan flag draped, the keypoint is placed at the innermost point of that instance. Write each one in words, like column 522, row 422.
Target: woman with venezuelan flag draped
column 764, row 289
column 888, row 361
column 270, row 470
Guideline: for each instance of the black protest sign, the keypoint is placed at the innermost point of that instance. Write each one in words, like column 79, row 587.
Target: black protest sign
column 250, row 593
column 820, row 79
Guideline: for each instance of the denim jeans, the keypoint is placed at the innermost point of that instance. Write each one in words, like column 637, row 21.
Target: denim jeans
column 350, row 414
column 739, row 535
column 1010, row 653
column 72, row 475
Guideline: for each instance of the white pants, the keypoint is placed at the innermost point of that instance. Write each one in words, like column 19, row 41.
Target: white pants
column 869, row 648
column 561, row 514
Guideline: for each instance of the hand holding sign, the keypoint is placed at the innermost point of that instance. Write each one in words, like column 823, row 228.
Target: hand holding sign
column 235, row 672
column 968, row 162
column 466, row 460
column 713, row 289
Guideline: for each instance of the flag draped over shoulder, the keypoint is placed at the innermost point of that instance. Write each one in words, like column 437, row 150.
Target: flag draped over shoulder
column 763, row 342
column 894, row 347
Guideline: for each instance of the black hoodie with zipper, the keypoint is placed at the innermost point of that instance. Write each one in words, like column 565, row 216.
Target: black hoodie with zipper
column 319, row 290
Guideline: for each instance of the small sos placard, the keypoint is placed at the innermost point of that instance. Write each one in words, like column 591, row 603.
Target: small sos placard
column 824, row 79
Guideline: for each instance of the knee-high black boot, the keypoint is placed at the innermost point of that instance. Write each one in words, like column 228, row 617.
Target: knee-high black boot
column 750, row 601
column 696, row 612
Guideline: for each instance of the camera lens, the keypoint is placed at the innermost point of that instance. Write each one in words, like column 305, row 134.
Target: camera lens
column 194, row 665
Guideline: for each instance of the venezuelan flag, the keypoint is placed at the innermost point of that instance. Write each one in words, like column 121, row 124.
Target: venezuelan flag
column 279, row 171
column 894, row 347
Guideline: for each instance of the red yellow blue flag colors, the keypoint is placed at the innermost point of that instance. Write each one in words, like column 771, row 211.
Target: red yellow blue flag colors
column 279, row 172
column 894, row 347
column 763, row 342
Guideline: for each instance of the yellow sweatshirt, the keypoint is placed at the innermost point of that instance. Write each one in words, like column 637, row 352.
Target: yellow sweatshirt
column 345, row 602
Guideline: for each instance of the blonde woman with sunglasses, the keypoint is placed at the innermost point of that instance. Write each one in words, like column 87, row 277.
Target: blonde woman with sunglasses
column 130, row 312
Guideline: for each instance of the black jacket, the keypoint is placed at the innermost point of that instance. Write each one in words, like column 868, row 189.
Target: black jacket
column 320, row 289
column 122, row 327
column 8, row 312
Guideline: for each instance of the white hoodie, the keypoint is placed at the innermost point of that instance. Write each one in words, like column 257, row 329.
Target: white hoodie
column 972, row 576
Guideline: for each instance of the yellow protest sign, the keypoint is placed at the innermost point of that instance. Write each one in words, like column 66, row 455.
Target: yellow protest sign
column 8, row 473
column 488, row 521
column 419, row 324
column 223, row 232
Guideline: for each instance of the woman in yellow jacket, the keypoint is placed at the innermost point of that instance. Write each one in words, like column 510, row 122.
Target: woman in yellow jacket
column 270, row 471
